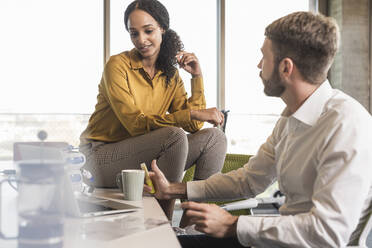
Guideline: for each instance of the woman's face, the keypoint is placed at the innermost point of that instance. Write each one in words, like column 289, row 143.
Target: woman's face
column 145, row 33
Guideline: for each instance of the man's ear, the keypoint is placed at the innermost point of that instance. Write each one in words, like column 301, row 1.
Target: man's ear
column 286, row 67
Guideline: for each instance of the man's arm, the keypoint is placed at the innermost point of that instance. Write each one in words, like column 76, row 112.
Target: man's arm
column 177, row 191
column 340, row 191
column 208, row 218
column 246, row 182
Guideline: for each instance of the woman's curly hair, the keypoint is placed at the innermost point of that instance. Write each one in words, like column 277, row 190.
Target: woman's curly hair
column 171, row 42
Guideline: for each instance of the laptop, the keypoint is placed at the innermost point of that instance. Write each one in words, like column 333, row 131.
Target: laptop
column 76, row 204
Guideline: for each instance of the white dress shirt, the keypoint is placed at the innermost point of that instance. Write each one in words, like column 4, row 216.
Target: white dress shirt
column 322, row 158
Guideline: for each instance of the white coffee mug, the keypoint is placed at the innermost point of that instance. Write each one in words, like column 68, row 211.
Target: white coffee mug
column 133, row 181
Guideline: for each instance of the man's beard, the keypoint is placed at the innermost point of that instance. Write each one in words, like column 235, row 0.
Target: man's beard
column 274, row 85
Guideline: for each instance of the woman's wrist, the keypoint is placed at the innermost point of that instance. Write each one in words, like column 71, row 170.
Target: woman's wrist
column 194, row 114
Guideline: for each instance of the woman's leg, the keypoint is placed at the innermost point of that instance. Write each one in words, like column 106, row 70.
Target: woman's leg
column 168, row 145
column 207, row 149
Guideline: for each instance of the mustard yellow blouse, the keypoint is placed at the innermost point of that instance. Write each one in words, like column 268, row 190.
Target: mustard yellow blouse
column 129, row 103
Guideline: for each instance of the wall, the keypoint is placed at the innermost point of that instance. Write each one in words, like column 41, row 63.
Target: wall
column 351, row 70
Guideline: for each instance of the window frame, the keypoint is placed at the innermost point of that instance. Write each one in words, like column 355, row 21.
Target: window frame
column 220, row 49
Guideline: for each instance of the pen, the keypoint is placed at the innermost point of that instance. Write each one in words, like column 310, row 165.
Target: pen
column 147, row 178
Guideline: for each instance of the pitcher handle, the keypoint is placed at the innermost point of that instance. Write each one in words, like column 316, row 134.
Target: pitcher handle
column 9, row 180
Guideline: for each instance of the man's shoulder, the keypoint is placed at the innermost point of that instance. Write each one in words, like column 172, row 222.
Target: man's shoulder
column 343, row 104
column 342, row 109
column 279, row 128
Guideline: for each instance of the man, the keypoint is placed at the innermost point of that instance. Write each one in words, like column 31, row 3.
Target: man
column 319, row 151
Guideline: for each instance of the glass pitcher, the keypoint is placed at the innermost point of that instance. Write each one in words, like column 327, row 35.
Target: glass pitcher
column 40, row 210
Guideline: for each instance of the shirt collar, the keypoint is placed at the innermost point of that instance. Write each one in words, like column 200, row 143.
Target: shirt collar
column 135, row 59
column 312, row 108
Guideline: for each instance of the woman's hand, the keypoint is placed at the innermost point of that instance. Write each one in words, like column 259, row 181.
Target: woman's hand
column 211, row 115
column 189, row 62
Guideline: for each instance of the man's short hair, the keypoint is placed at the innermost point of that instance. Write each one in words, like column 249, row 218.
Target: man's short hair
column 309, row 39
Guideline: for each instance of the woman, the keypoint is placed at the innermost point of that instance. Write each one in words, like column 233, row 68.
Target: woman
column 142, row 106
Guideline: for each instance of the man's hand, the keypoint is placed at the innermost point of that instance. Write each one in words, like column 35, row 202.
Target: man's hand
column 160, row 182
column 164, row 189
column 210, row 219
column 211, row 115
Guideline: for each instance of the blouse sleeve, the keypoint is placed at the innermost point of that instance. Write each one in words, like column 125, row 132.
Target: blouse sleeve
column 195, row 102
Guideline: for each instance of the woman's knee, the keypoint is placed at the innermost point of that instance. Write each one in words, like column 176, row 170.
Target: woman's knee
column 176, row 135
column 216, row 136
column 174, row 131
column 172, row 159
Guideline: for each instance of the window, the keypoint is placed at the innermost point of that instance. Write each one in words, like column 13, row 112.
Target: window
column 198, row 36
column 252, row 114
column 51, row 55
column 51, row 63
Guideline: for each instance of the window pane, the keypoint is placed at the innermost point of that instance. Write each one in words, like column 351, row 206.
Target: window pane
column 51, row 55
column 252, row 114
column 51, row 63
column 197, row 32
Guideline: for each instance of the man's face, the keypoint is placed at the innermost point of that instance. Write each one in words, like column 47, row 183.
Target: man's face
column 269, row 74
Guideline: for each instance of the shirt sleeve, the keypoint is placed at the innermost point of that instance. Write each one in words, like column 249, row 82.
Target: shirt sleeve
column 341, row 188
column 181, row 103
column 118, row 94
column 250, row 180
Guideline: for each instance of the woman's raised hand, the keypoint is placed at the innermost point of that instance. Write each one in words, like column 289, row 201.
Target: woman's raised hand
column 189, row 62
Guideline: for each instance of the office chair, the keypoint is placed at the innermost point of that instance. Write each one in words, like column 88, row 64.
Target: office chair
column 365, row 235
column 365, row 239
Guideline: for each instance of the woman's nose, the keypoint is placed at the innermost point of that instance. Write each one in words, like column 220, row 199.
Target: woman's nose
column 141, row 38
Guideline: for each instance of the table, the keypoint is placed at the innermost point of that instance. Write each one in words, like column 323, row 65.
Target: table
column 150, row 226
column 147, row 227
